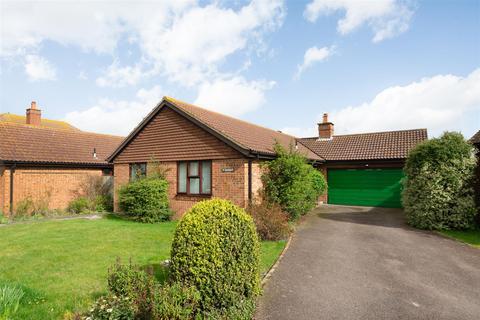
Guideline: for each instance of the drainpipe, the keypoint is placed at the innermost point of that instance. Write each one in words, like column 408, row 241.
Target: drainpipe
column 249, row 181
column 12, row 171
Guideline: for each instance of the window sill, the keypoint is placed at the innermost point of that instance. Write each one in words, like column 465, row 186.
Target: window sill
column 185, row 196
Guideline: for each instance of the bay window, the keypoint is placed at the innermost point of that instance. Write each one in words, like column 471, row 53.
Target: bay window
column 194, row 177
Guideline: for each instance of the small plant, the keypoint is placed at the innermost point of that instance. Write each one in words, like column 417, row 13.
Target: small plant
column 175, row 302
column 3, row 219
column 10, row 297
column 216, row 249
column 146, row 200
column 132, row 282
column 29, row 207
column 438, row 185
column 112, row 307
column 270, row 220
column 292, row 183
column 79, row 206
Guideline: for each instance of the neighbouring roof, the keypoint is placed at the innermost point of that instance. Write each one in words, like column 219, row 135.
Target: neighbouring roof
column 476, row 138
column 248, row 138
column 40, row 144
column 46, row 123
column 367, row 146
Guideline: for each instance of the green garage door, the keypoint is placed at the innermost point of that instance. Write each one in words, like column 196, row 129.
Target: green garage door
column 365, row 187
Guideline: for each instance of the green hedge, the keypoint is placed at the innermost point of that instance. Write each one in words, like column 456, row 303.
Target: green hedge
column 146, row 200
column 216, row 249
column 438, row 190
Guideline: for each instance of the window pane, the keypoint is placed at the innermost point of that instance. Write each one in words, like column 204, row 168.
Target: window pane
column 194, row 185
column 193, row 169
column 182, row 177
column 206, row 174
column 137, row 170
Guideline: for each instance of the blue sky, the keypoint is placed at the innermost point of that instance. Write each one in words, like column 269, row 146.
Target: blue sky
column 372, row 65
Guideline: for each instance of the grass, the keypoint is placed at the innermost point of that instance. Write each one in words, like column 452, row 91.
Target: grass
column 468, row 236
column 62, row 265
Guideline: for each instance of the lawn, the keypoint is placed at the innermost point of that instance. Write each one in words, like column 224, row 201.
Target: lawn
column 469, row 236
column 62, row 265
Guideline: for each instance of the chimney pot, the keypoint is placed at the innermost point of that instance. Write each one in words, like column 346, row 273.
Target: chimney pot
column 325, row 117
column 33, row 105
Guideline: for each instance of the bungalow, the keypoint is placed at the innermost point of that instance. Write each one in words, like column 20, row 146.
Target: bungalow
column 475, row 140
column 46, row 160
column 208, row 154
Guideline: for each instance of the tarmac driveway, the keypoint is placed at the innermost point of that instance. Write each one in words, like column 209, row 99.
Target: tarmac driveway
column 365, row 263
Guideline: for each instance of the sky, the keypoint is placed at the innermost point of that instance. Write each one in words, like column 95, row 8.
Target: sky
column 371, row 65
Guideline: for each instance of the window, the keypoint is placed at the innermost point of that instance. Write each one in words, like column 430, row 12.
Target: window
column 194, row 177
column 137, row 170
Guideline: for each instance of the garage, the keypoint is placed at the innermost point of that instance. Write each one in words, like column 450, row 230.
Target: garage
column 365, row 187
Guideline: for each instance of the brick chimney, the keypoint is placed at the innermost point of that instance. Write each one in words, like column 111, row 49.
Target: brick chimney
column 34, row 115
column 325, row 128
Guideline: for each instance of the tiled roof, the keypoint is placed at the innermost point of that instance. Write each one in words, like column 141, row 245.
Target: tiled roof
column 248, row 135
column 367, row 146
column 476, row 138
column 26, row 143
column 245, row 136
column 47, row 123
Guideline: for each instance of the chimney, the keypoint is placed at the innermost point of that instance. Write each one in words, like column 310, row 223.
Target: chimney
column 325, row 129
column 34, row 115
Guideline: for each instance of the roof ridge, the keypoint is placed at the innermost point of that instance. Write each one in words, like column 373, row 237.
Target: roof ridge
column 375, row 132
column 224, row 115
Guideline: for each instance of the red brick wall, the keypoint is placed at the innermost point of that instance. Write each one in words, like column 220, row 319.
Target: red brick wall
column 226, row 185
column 54, row 185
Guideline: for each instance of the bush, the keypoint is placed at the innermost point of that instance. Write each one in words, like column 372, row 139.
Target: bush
column 216, row 249
column 292, row 183
column 175, row 302
column 79, row 206
column 10, row 298
column 270, row 220
column 112, row 307
column 135, row 284
column 438, row 191
column 146, row 200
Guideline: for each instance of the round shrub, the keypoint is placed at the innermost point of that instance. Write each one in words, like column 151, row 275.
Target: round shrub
column 438, row 190
column 146, row 200
column 216, row 249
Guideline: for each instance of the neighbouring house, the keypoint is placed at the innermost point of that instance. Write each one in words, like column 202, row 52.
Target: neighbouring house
column 475, row 140
column 46, row 160
column 208, row 154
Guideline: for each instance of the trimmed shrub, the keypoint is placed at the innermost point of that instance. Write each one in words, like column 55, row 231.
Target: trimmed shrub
column 292, row 183
column 438, row 191
column 270, row 220
column 216, row 249
column 146, row 200
column 175, row 302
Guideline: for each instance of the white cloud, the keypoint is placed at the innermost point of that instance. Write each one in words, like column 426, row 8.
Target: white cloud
column 116, row 117
column 116, row 76
column 439, row 103
column 233, row 96
column 183, row 40
column 312, row 56
column 38, row 68
column 387, row 18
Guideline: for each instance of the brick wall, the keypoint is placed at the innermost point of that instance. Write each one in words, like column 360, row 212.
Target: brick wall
column 121, row 176
column 2, row 189
column 55, row 186
column 226, row 185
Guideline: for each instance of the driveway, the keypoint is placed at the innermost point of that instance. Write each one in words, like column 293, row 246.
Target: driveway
column 365, row 263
